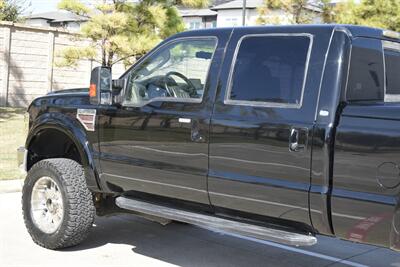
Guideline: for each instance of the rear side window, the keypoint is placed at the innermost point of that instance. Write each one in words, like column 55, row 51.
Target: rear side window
column 392, row 67
column 269, row 70
column 374, row 71
column 366, row 74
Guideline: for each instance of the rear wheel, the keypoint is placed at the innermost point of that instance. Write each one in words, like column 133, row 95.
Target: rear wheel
column 57, row 205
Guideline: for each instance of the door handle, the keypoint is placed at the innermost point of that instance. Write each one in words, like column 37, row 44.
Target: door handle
column 295, row 144
column 196, row 134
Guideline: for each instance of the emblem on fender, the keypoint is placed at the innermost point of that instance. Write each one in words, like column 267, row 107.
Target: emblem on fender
column 88, row 118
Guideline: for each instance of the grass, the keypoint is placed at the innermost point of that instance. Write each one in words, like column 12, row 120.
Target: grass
column 13, row 131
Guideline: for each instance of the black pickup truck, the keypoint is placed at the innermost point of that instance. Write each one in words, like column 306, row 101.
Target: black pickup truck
column 279, row 133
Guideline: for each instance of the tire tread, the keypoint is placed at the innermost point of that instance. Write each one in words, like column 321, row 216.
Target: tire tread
column 79, row 211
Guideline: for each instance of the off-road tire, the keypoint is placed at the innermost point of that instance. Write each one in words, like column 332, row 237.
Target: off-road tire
column 79, row 211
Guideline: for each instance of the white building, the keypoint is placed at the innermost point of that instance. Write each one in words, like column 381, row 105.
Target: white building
column 59, row 19
column 198, row 18
column 230, row 14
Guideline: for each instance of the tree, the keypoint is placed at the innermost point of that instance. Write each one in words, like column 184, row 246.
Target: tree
column 265, row 11
column 375, row 13
column 301, row 14
column 297, row 12
column 121, row 31
column 11, row 10
column 76, row 7
column 327, row 11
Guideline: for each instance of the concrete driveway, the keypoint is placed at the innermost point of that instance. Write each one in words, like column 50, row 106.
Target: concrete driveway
column 126, row 240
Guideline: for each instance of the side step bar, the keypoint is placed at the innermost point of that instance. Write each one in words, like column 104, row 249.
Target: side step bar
column 208, row 221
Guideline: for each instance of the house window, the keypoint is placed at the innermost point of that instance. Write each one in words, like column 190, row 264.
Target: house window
column 194, row 25
column 232, row 21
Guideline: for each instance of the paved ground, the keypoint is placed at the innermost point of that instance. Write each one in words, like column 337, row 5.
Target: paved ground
column 126, row 240
column 9, row 186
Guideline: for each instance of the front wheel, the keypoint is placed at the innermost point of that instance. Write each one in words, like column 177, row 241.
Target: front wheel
column 57, row 206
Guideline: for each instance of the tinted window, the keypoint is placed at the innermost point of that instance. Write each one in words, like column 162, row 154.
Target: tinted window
column 270, row 69
column 392, row 67
column 366, row 78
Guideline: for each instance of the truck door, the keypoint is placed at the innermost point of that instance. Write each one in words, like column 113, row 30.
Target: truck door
column 262, row 124
column 366, row 183
column 157, row 142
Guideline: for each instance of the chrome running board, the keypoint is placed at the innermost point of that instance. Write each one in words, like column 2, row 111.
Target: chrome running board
column 209, row 221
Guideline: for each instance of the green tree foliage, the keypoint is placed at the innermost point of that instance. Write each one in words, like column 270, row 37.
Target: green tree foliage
column 74, row 6
column 192, row 3
column 376, row 13
column 11, row 10
column 298, row 8
column 265, row 12
column 121, row 30
column 296, row 11
column 327, row 11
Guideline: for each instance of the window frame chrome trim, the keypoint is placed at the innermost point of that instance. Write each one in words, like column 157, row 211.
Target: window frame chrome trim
column 228, row 101
column 350, row 58
column 316, row 114
column 171, row 99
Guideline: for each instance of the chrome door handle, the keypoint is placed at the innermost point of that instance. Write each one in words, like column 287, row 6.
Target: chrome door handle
column 196, row 133
column 294, row 137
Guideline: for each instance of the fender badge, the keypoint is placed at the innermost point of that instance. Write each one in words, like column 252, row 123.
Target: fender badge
column 87, row 117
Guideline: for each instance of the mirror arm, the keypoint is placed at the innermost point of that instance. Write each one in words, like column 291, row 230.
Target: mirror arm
column 118, row 90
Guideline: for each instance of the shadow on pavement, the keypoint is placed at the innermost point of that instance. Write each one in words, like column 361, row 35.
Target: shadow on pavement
column 186, row 245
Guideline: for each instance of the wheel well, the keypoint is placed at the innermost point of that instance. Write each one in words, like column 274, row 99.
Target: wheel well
column 52, row 143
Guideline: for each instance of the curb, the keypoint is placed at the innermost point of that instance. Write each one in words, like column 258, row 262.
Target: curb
column 11, row 186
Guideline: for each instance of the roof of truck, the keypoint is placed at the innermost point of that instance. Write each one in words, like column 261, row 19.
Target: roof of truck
column 353, row 30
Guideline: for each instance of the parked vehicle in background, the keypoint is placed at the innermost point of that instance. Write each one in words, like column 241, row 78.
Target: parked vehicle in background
column 278, row 133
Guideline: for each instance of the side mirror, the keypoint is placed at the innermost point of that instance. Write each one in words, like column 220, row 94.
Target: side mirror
column 100, row 91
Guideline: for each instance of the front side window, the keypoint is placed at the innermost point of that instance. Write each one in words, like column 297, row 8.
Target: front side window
column 270, row 70
column 176, row 72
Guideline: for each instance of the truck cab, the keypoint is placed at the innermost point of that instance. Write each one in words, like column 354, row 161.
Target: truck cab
column 279, row 133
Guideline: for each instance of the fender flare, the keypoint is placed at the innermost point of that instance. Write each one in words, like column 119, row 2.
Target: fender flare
column 74, row 130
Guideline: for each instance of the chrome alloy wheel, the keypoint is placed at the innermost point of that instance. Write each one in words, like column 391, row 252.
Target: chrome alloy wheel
column 47, row 208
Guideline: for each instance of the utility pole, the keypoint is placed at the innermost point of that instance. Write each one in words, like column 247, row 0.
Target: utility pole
column 244, row 13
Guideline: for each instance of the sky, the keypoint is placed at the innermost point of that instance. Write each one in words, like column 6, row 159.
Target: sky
column 38, row 6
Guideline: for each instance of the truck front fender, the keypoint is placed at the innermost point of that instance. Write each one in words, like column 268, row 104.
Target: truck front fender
column 70, row 127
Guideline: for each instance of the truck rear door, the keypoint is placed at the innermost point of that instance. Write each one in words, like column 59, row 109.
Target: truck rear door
column 262, row 123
